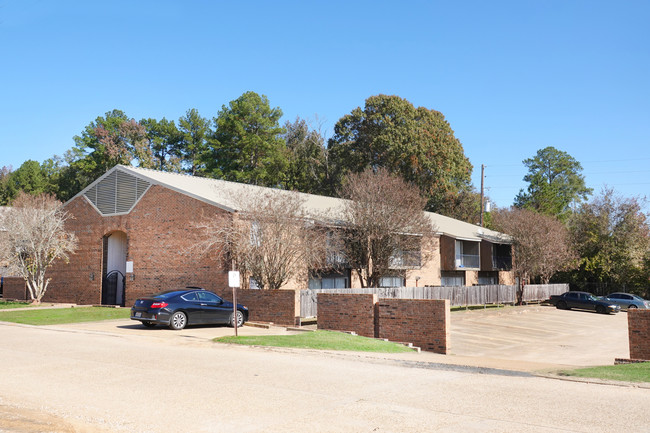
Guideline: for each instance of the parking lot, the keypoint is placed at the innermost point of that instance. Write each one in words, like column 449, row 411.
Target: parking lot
column 521, row 338
column 540, row 334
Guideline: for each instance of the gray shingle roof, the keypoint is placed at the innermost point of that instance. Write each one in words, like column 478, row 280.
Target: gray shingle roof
column 223, row 194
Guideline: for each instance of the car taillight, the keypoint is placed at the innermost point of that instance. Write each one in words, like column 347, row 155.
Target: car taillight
column 159, row 305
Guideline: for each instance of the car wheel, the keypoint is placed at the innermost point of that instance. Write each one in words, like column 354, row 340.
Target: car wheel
column 178, row 321
column 562, row 305
column 240, row 319
column 600, row 309
column 149, row 324
column 631, row 307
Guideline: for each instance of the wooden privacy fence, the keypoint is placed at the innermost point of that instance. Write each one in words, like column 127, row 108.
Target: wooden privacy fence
column 457, row 295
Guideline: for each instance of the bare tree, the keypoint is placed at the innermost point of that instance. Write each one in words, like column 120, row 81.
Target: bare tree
column 541, row 243
column 386, row 224
column 35, row 237
column 271, row 239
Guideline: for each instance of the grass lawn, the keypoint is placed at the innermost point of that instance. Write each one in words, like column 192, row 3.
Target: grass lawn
column 56, row 316
column 322, row 340
column 625, row 372
column 13, row 304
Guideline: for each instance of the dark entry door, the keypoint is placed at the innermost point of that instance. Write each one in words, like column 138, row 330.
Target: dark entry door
column 110, row 285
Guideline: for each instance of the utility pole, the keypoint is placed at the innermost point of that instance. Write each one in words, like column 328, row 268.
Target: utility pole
column 482, row 205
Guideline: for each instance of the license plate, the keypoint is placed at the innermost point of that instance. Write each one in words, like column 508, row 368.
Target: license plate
column 138, row 314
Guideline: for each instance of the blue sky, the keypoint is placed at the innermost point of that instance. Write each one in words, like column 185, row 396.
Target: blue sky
column 510, row 77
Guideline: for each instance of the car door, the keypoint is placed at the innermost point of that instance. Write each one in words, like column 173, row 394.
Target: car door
column 616, row 298
column 213, row 308
column 192, row 306
column 586, row 302
column 573, row 300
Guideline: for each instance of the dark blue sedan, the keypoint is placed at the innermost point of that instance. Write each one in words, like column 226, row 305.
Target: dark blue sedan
column 189, row 306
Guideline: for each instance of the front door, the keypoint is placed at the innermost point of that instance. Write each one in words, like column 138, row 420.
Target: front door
column 113, row 283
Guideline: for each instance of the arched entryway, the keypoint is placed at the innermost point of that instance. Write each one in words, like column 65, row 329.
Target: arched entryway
column 113, row 280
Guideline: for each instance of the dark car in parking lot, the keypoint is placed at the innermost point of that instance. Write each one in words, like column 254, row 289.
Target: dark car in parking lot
column 188, row 306
column 583, row 301
column 627, row 301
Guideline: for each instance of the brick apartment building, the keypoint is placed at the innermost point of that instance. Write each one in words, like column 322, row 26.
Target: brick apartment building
column 137, row 228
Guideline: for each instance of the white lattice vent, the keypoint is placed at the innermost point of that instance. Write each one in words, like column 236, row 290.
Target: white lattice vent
column 117, row 193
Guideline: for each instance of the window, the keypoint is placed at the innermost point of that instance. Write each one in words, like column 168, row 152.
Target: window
column 391, row 282
column 256, row 236
column 452, row 278
column 252, row 284
column 467, row 254
column 208, row 297
column 335, row 257
column 488, row 278
column 405, row 259
column 502, row 256
column 331, row 280
column 190, row 297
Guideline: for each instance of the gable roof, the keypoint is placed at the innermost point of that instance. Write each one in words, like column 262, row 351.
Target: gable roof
column 224, row 194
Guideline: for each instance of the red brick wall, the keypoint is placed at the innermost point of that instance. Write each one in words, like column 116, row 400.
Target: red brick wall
column 15, row 288
column 423, row 322
column 160, row 234
column 343, row 312
column 638, row 323
column 276, row 306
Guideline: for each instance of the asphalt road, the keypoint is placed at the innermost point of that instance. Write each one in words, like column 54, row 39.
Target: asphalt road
column 85, row 380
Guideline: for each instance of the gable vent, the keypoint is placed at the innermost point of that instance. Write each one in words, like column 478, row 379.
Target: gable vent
column 117, row 193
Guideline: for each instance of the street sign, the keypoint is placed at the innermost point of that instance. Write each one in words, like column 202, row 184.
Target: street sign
column 233, row 279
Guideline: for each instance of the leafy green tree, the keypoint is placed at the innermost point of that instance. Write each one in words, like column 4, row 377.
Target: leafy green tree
column 417, row 144
column 307, row 168
column 192, row 146
column 31, row 178
column 105, row 142
column 612, row 237
column 164, row 141
column 247, row 145
column 554, row 183
column 5, row 174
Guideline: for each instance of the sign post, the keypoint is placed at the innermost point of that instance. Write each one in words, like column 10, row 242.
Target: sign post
column 233, row 281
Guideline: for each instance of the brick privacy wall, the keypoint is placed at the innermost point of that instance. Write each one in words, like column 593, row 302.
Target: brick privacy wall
column 423, row 322
column 160, row 234
column 347, row 312
column 15, row 288
column 638, row 323
column 275, row 306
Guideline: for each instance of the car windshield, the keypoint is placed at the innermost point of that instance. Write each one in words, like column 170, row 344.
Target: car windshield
column 594, row 298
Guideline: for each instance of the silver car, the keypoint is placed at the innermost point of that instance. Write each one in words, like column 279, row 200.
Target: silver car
column 627, row 300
